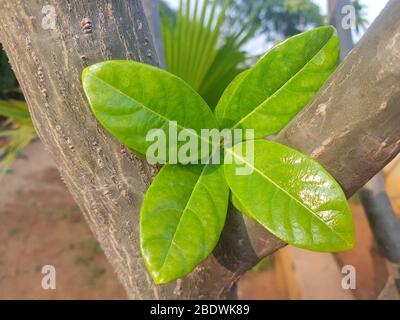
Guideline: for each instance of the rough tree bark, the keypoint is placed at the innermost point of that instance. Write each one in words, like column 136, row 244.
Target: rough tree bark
column 351, row 127
column 374, row 198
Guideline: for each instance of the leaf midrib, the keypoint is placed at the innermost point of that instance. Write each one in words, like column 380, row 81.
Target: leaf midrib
column 287, row 193
column 148, row 109
column 262, row 104
column 184, row 211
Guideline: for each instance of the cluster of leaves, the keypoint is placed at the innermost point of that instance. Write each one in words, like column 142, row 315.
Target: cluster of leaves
column 196, row 50
column 184, row 210
column 16, row 128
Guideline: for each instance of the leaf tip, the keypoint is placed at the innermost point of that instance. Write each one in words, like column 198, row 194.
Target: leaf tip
column 159, row 277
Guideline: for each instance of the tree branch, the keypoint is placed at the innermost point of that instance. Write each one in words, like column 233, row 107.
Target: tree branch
column 352, row 126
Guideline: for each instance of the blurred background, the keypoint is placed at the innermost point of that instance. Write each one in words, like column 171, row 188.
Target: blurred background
column 206, row 45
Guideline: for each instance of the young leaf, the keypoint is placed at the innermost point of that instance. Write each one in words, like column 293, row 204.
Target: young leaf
column 229, row 91
column 130, row 98
column 182, row 216
column 282, row 83
column 292, row 196
column 238, row 205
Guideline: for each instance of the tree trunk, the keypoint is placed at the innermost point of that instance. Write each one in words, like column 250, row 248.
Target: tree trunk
column 351, row 127
column 381, row 216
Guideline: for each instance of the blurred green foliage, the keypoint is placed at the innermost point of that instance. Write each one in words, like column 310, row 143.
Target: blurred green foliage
column 277, row 19
column 198, row 51
column 16, row 128
column 204, row 39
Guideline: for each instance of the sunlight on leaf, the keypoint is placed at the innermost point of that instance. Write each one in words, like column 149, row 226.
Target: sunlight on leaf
column 293, row 197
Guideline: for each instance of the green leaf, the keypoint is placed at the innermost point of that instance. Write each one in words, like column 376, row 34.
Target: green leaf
column 230, row 91
column 238, row 205
column 130, row 98
column 281, row 84
column 292, row 196
column 181, row 219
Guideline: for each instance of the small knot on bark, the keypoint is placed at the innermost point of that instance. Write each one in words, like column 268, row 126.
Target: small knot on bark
column 86, row 25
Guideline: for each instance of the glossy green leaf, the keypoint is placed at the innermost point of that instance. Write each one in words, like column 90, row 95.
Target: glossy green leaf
column 229, row 91
column 238, row 205
column 130, row 98
column 182, row 217
column 292, row 196
column 281, row 84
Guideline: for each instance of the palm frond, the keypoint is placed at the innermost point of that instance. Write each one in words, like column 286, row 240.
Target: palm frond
column 197, row 52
